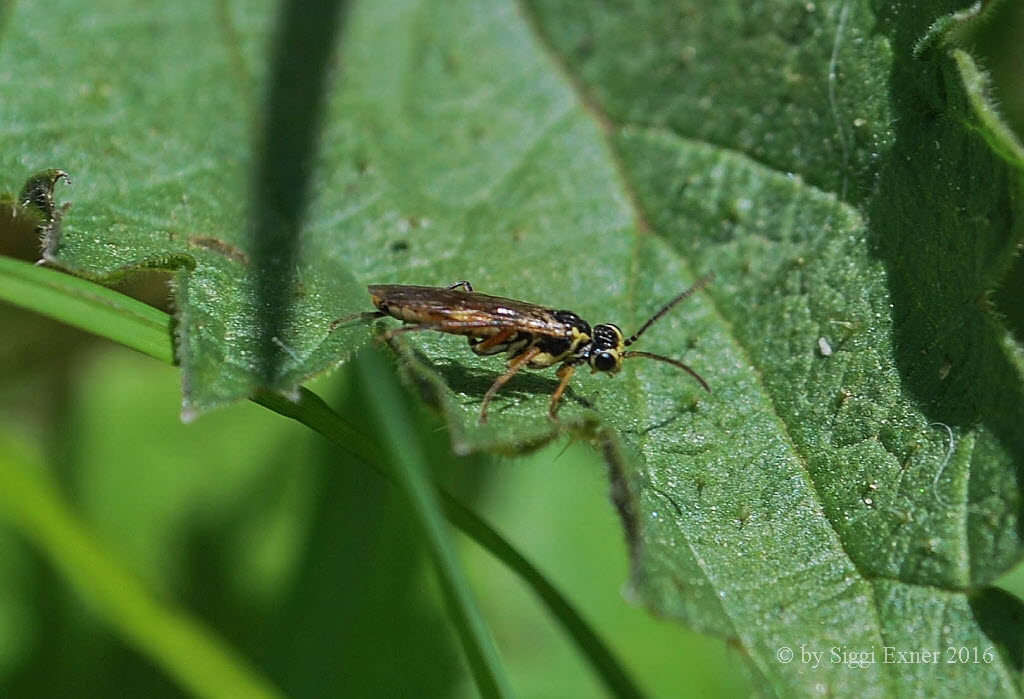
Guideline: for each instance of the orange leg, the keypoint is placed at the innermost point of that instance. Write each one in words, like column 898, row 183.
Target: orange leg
column 495, row 339
column 565, row 373
column 514, row 365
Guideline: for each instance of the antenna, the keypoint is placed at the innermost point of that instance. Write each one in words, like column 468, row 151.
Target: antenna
column 673, row 362
column 697, row 286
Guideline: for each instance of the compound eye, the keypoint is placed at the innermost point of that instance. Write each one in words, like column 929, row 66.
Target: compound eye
column 605, row 361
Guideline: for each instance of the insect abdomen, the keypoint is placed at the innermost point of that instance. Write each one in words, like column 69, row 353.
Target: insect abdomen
column 514, row 345
column 408, row 313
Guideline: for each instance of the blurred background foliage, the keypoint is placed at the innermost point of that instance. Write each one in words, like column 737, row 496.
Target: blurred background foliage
column 304, row 562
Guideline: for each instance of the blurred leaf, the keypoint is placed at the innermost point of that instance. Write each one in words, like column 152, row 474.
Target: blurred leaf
column 17, row 631
column 197, row 659
column 836, row 163
column 167, row 494
column 275, row 543
column 362, row 592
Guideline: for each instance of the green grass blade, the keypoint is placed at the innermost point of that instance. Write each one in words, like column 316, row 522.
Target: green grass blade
column 411, row 472
column 600, row 657
column 190, row 653
column 312, row 411
column 87, row 306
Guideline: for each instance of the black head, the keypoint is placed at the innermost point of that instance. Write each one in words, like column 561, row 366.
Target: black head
column 606, row 348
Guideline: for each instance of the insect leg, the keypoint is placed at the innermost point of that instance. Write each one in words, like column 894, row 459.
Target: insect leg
column 564, row 373
column 500, row 337
column 514, row 365
column 464, row 285
column 365, row 315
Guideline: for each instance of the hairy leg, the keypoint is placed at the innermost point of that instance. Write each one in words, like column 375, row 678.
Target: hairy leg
column 564, row 373
column 514, row 365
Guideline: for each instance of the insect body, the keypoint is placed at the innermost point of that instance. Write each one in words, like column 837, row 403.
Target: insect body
column 534, row 337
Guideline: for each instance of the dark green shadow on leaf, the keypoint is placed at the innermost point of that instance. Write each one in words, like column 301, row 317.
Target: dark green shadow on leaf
column 1001, row 616
column 1007, row 298
column 307, row 33
column 942, row 201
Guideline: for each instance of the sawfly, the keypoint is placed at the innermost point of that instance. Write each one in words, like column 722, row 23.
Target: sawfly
column 533, row 336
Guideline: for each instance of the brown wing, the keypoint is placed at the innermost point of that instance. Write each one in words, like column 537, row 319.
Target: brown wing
column 430, row 304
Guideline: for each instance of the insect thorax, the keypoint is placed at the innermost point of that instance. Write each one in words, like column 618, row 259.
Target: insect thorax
column 555, row 349
column 552, row 348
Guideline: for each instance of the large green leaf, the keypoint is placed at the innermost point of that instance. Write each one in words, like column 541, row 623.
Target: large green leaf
column 853, row 480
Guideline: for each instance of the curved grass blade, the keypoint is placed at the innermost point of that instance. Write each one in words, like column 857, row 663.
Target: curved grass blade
column 88, row 306
column 412, row 474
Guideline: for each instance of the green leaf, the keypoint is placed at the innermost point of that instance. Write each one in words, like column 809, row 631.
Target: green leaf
column 853, row 480
column 863, row 465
